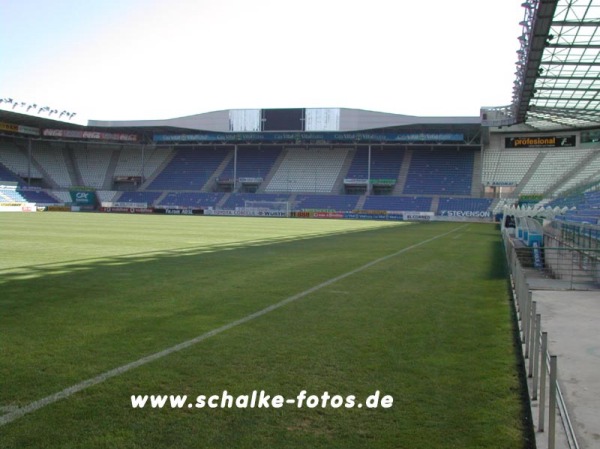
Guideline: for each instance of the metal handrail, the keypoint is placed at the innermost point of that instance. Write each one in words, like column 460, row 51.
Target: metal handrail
column 534, row 346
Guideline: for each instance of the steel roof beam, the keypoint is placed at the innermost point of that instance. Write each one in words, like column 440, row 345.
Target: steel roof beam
column 566, row 77
column 539, row 32
column 584, row 46
column 571, row 63
column 575, row 24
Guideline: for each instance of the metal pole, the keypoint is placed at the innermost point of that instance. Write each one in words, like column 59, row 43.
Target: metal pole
column 526, row 316
column 29, row 162
column 532, row 333
column 543, row 374
column 525, row 322
column 143, row 161
column 369, row 172
column 522, row 295
column 552, row 402
column 235, row 148
column 572, row 264
column 536, row 356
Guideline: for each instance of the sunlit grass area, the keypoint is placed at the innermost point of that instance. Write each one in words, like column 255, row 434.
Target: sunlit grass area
column 44, row 242
column 83, row 294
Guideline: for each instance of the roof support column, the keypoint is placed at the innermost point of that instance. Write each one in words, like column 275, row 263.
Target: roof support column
column 369, row 172
column 29, row 162
column 235, row 149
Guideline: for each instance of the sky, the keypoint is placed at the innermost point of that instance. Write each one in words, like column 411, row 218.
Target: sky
column 156, row 59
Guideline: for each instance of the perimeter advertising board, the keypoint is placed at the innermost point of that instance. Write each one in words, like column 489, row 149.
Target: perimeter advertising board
column 83, row 197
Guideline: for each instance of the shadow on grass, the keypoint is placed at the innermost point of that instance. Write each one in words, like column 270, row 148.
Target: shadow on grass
column 65, row 322
column 79, row 314
column 529, row 441
column 20, row 273
column 498, row 268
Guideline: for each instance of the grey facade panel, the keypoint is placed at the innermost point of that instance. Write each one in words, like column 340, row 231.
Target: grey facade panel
column 217, row 121
column 350, row 120
column 360, row 120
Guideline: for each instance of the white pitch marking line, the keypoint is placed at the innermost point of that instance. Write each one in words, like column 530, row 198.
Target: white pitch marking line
column 63, row 394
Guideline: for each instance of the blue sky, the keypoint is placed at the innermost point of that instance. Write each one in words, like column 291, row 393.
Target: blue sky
column 151, row 59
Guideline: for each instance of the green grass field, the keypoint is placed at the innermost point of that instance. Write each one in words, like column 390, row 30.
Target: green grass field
column 83, row 294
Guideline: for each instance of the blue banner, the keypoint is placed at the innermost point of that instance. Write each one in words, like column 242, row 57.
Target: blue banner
column 312, row 137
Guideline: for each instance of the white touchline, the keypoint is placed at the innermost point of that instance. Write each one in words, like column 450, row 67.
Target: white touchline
column 36, row 405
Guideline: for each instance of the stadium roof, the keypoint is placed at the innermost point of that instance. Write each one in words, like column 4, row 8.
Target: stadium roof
column 557, row 85
column 349, row 120
column 558, row 68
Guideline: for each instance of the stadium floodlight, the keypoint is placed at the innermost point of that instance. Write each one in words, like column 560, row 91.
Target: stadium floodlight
column 29, row 106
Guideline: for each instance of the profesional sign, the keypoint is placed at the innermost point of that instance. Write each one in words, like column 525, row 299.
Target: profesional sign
column 540, row 142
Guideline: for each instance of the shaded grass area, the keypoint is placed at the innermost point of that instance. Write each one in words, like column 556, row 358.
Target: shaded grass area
column 430, row 327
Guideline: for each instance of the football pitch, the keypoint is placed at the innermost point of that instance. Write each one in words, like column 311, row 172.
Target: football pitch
column 362, row 334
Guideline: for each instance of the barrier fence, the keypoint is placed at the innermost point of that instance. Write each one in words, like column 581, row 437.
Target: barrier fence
column 541, row 366
column 575, row 267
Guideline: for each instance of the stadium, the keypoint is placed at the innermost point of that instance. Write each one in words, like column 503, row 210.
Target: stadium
column 244, row 253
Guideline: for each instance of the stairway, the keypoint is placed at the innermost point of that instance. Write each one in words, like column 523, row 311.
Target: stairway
column 209, row 186
column 338, row 186
column 530, row 172
column 272, row 172
column 361, row 202
column 403, row 175
column 74, row 174
column 476, row 181
column 110, row 172
column 158, row 171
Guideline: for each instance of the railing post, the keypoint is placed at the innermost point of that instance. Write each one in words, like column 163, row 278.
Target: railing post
column 526, row 323
column 552, row 403
column 524, row 305
column 543, row 375
column 536, row 356
column 571, row 267
column 519, row 290
column 532, row 333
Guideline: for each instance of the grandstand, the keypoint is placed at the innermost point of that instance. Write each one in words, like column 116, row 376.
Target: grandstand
column 538, row 157
column 363, row 168
column 449, row 167
column 426, row 177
